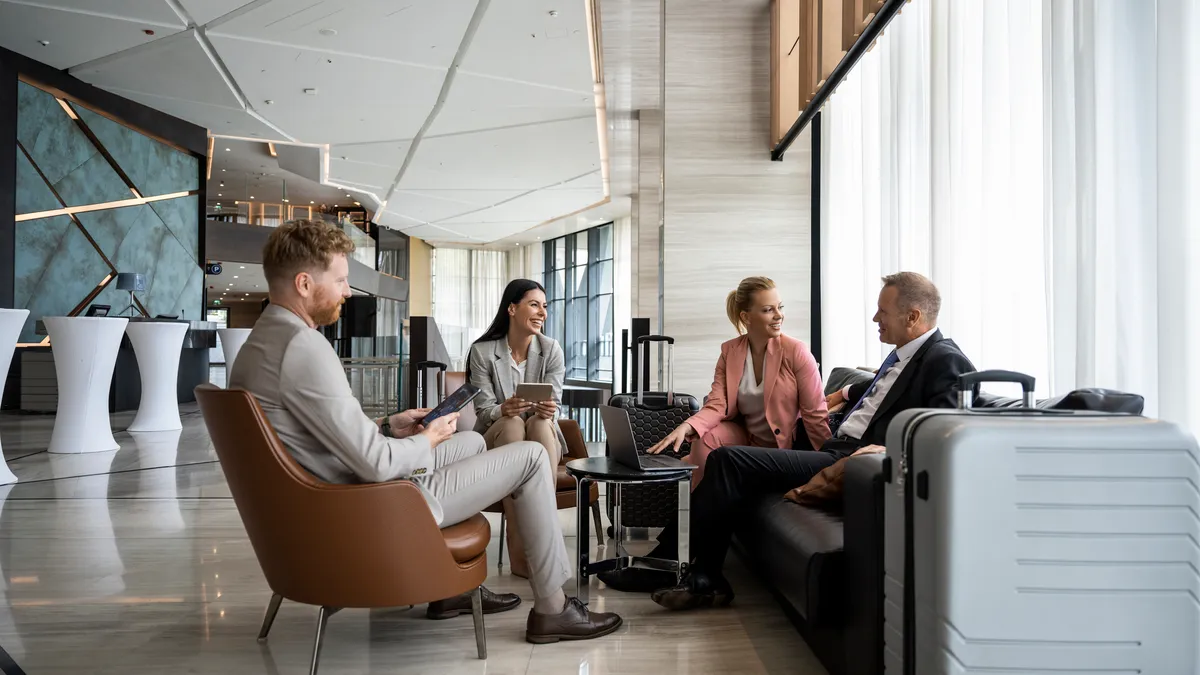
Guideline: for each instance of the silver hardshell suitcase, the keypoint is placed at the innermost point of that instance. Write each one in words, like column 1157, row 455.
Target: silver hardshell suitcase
column 1038, row 541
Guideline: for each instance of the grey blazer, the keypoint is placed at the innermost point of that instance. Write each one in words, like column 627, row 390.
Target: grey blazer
column 298, row 380
column 492, row 372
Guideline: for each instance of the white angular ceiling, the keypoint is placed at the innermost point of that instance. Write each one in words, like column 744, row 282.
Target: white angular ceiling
column 456, row 120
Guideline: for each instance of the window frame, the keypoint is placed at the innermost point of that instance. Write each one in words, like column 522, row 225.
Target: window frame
column 572, row 291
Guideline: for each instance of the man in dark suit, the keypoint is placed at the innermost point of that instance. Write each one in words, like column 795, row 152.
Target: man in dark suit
column 921, row 372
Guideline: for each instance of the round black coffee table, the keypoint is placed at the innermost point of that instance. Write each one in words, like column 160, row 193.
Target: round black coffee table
column 606, row 470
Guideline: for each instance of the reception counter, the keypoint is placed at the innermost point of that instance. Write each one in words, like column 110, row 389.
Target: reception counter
column 38, row 386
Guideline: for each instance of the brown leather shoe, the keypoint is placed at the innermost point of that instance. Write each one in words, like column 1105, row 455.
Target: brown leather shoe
column 493, row 603
column 575, row 622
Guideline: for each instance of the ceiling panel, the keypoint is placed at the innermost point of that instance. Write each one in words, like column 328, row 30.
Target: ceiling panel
column 431, row 206
column 477, row 103
column 217, row 119
column 547, row 154
column 520, row 40
column 414, row 31
column 434, row 233
column 356, row 99
column 391, row 153
column 375, row 177
column 138, row 11
column 531, row 209
column 203, row 11
column 74, row 37
column 176, row 68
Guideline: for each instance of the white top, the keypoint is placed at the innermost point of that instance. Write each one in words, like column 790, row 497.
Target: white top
column 519, row 367
column 750, row 404
column 856, row 425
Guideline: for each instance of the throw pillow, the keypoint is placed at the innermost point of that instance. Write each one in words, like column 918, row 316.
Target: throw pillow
column 825, row 488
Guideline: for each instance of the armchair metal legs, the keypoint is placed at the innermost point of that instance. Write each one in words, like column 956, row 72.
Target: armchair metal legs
column 269, row 617
column 500, row 556
column 477, row 615
column 323, row 615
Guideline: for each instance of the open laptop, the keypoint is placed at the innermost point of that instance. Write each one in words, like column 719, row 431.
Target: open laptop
column 623, row 449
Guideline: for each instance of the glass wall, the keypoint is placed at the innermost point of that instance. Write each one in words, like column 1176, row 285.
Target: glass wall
column 579, row 287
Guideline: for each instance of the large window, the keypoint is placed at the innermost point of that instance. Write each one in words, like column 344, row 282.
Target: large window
column 579, row 287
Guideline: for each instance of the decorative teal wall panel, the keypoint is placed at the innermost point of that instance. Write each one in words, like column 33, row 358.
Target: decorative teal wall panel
column 73, row 271
column 179, row 215
column 155, row 168
column 95, row 182
column 37, row 243
column 51, row 138
column 60, row 261
column 33, row 194
column 109, row 228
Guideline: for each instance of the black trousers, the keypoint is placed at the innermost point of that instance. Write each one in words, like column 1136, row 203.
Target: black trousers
column 733, row 477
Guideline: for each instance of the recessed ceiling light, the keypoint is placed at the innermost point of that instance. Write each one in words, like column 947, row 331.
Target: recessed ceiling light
column 312, row 202
column 251, row 196
column 235, row 276
column 311, row 91
column 44, row 43
column 242, row 267
column 226, row 149
column 554, row 12
column 222, row 169
column 220, row 195
column 327, row 32
column 269, row 102
column 357, row 204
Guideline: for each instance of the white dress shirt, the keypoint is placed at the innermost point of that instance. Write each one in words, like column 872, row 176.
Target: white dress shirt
column 752, row 407
column 856, row 425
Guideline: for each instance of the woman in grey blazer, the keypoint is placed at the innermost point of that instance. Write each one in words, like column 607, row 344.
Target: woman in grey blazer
column 514, row 351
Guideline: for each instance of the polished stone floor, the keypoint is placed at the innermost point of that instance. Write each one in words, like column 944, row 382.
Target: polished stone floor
column 136, row 561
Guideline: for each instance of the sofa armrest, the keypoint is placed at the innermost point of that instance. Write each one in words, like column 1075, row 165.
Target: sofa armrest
column 863, row 537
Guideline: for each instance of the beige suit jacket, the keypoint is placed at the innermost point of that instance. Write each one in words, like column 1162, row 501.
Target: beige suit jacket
column 298, row 379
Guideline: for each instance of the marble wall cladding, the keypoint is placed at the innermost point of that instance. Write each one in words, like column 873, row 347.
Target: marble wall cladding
column 51, row 138
column 56, row 268
column 730, row 212
column 58, row 263
column 154, row 168
column 33, row 194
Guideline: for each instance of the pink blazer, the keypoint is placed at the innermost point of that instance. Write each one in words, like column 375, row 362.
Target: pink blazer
column 791, row 390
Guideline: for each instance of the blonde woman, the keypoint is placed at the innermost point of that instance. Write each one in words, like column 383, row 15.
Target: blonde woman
column 766, row 384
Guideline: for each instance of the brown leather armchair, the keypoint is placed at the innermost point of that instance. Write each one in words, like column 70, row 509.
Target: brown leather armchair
column 337, row 546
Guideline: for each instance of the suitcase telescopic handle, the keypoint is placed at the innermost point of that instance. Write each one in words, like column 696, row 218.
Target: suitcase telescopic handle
column 642, row 339
column 968, row 381
column 422, row 365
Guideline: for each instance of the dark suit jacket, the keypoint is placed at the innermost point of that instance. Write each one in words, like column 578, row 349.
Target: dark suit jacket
column 929, row 381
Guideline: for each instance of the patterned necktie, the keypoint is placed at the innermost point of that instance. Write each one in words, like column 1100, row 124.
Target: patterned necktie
column 890, row 361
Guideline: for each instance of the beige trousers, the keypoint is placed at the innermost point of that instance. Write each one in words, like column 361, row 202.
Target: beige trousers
column 466, row 480
column 508, row 430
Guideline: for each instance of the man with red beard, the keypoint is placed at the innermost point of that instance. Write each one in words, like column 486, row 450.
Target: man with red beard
column 298, row 379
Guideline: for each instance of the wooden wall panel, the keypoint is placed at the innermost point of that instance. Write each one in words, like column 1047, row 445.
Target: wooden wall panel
column 810, row 48
column 830, row 36
column 786, row 57
column 730, row 211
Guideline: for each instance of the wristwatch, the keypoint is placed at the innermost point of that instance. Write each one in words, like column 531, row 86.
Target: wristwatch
column 386, row 429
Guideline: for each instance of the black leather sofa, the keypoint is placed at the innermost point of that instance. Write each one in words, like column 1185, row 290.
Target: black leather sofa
column 826, row 567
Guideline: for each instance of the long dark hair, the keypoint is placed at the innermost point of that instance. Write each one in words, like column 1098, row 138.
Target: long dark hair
column 514, row 292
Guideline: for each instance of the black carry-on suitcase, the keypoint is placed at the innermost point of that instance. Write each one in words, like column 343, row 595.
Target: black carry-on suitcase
column 653, row 415
column 1039, row 541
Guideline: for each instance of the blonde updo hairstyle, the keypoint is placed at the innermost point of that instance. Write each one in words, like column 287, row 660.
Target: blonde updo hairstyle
column 740, row 299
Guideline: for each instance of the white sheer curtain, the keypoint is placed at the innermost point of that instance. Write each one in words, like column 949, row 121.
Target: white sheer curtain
column 467, row 285
column 1038, row 161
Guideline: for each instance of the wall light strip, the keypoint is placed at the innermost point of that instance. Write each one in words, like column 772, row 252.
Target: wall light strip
column 271, row 149
column 596, row 55
column 70, row 113
column 211, row 141
column 87, row 208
